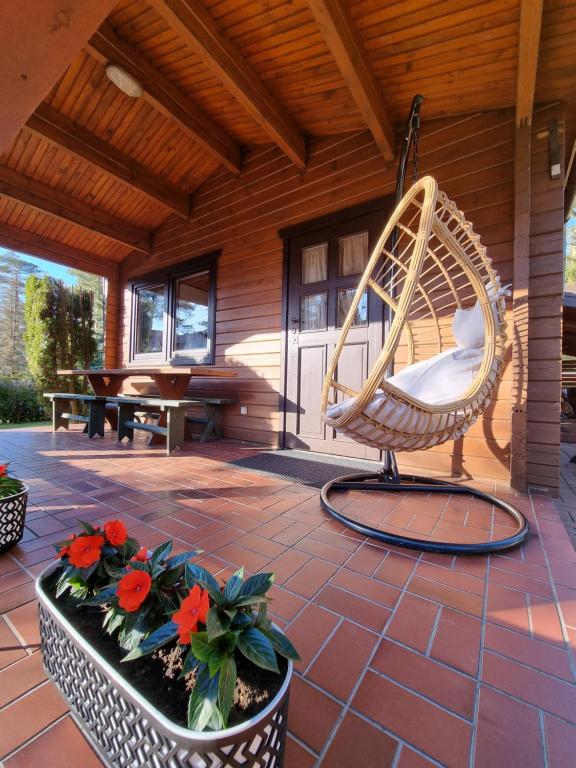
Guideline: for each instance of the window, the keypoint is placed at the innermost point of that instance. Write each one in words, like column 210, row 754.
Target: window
column 173, row 315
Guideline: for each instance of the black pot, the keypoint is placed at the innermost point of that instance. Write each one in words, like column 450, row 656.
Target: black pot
column 12, row 514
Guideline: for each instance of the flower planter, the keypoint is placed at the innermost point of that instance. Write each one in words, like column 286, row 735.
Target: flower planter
column 12, row 514
column 127, row 731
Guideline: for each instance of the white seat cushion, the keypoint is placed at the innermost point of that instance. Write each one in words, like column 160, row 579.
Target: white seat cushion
column 439, row 380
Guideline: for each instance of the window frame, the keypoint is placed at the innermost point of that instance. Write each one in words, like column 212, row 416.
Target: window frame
column 169, row 278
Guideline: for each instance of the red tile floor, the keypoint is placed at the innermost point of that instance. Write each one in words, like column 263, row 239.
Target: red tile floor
column 408, row 660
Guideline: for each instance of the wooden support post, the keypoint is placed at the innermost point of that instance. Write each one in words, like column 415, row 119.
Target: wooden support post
column 112, row 324
column 176, row 421
column 520, row 307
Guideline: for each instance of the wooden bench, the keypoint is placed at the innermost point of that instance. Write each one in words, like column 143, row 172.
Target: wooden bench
column 211, row 406
column 61, row 411
column 172, row 413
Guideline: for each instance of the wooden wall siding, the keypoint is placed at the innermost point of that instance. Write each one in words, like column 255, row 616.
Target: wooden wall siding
column 472, row 158
column 29, row 219
column 545, row 330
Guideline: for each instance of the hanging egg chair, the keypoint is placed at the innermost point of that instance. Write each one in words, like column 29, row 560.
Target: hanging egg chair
column 445, row 335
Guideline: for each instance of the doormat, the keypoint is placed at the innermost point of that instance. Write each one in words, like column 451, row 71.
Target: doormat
column 312, row 469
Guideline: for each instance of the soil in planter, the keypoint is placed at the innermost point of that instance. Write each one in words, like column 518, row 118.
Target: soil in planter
column 156, row 676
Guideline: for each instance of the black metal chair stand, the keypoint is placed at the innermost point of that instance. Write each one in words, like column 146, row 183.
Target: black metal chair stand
column 388, row 479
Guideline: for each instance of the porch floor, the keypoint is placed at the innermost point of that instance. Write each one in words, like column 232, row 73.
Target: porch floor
column 409, row 659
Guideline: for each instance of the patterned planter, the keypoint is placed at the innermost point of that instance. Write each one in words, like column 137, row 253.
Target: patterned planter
column 127, row 731
column 12, row 514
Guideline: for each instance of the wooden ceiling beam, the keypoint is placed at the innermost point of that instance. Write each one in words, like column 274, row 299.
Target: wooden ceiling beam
column 343, row 39
column 194, row 24
column 45, row 248
column 60, row 130
column 38, row 41
column 528, row 47
column 106, row 46
column 49, row 200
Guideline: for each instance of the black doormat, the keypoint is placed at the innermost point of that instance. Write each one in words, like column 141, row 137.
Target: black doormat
column 312, row 469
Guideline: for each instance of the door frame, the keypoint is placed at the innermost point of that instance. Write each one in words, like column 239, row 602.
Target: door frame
column 377, row 205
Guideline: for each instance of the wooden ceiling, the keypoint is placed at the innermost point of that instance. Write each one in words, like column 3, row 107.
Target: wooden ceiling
column 97, row 171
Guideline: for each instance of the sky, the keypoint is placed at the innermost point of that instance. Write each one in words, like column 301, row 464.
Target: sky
column 47, row 267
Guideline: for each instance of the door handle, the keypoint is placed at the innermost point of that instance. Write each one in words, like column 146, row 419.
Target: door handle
column 295, row 320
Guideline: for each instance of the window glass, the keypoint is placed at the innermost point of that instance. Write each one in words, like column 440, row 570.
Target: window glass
column 313, row 312
column 191, row 318
column 150, row 320
column 352, row 254
column 315, row 263
column 345, row 299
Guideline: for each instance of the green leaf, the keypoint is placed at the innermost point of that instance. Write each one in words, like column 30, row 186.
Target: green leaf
column 262, row 619
column 196, row 574
column 90, row 530
column 161, row 552
column 250, row 600
column 217, row 658
column 102, row 596
column 281, row 644
column 241, row 621
column 190, row 664
column 226, row 686
column 155, row 640
column 114, row 571
column 233, row 586
column 201, row 647
column 183, row 557
column 258, row 649
column 202, row 705
column 217, row 623
column 257, row 585
column 136, row 565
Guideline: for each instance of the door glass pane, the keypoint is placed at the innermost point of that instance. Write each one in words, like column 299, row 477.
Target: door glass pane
column 315, row 263
column 191, row 320
column 345, row 299
column 150, row 320
column 352, row 254
column 313, row 312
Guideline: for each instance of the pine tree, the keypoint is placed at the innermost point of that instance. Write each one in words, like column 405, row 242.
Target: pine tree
column 97, row 287
column 13, row 273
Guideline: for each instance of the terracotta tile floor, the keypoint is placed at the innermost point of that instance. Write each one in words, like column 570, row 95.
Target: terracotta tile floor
column 408, row 660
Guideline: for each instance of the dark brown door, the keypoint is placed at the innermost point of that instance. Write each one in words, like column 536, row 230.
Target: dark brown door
column 324, row 269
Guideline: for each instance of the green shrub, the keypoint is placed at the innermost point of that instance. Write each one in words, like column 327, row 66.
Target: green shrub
column 20, row 402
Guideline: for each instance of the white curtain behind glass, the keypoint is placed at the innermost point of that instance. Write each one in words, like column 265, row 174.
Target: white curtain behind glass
column 315, row 263
column 353, row 254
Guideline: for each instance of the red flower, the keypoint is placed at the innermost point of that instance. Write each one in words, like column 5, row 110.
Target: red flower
column 116, row 533
column 133, row 589
column 85, row 550
column 192, row 610
column 3, row 470
column 65, row 548
column 141, row 556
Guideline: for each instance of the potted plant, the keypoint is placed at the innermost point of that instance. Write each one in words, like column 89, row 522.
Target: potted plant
column 162, row 664
column 13, row 500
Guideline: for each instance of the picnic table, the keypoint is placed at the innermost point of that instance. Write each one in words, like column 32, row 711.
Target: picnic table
column 171, row 382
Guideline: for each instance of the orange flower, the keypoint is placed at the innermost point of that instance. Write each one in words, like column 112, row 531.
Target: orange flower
column 85, row 550
column 3, row 470
column 133, row 589
column 116, row 533
column 193, row 609
column 141, row 556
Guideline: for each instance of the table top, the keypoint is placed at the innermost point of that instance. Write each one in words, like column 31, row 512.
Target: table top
column 193, row 370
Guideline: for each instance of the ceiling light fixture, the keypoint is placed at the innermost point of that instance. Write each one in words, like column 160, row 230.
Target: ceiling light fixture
column 125, row 82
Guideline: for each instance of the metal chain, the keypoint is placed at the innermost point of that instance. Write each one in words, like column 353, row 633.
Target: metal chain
column 415, row 154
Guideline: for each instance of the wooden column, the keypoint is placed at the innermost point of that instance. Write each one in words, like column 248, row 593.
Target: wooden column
column 112, row 326
column 520, row 307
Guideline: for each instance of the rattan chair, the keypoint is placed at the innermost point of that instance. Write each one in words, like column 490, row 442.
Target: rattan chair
column 427, row 268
